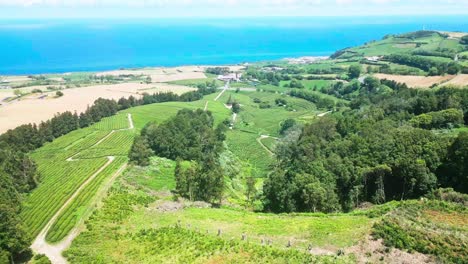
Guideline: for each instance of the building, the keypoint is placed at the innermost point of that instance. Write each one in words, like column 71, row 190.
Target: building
column 374, row 58
column 231, row 77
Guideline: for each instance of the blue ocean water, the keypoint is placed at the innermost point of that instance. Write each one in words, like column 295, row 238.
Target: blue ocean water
column 51, row 46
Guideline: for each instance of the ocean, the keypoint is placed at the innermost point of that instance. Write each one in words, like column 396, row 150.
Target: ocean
column 57, row 46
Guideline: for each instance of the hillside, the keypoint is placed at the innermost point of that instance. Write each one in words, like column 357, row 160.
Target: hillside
column 334, row 161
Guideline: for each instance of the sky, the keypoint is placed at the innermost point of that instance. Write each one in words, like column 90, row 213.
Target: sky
column 20, row 9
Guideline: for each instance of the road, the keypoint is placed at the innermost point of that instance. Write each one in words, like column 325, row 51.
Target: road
column 226, row 87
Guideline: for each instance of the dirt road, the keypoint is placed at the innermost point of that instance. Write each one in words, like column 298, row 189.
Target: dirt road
column 54, row 252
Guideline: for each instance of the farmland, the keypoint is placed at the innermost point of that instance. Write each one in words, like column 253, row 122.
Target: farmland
column 309, row 161
column 65, row 167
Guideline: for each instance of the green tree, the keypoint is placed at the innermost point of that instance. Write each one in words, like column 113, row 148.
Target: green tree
column 250, row 191
column 140, row 152
column 354, row 71
column 454, row 172
column 286, row 125
column 236, row 107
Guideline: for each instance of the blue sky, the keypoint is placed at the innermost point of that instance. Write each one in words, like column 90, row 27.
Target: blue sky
column 225, row 8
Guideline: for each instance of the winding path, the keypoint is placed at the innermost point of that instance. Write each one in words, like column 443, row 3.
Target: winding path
column 54, row 252
column 259, row 140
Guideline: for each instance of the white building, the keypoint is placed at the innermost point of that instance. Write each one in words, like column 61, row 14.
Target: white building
column 231, row 77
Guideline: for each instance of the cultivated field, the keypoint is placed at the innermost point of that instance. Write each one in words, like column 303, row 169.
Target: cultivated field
column 162, row 74
column 26, row 111
column 417, row 81
column 67, row 163
column 459, row 80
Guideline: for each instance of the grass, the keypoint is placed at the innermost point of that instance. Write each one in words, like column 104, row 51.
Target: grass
column 115, row 122
column 159, row 176
column 331, row 232
column 245, row 146
column 61, row 178
column 160, row 112
column 129, row 228
column 270, row 143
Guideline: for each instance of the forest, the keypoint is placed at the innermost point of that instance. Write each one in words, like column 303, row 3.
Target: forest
column 377, row 151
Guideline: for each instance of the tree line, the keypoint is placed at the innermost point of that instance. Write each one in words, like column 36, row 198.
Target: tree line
column 431, row 66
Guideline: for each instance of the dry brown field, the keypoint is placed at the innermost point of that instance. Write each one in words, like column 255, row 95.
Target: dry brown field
column 34, row 110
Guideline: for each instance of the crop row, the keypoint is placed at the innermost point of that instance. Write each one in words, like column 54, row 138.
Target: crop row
column 59, row 181
column 115, row 122
column 117, row 144
column 69, row 218
column 61, row 178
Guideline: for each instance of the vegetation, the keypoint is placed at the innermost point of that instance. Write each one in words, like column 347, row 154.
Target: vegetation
column 308, row 146
column 430, row 227
column 188, row 136
column 367, row 154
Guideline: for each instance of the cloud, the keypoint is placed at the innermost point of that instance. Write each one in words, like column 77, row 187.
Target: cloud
column 159, row 8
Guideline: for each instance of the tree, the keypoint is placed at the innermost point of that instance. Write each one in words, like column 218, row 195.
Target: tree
column 374, row 183
column 454, row 172
column 59, row 94
column 148, row 80
column 354, row 71
column 140, row 152
column 371, row 84
column 286, row 125
column 250, row 190
column 433, row 71
column 13, row 238
column 236, row 107
column 464, row 40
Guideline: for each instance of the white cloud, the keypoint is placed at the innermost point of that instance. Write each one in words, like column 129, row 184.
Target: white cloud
column 236, row 7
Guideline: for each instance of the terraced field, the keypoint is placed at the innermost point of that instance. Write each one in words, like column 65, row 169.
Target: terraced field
column 68, row 163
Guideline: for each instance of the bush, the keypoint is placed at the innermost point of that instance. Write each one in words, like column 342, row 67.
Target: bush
column 59, row 94
column 265, row 105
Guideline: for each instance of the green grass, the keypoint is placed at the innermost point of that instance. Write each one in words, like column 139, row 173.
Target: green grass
column 331, row 232
column 160, row 112
column 245, row 146
column 129, row 228
column 158, row 176
column 270, row 143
